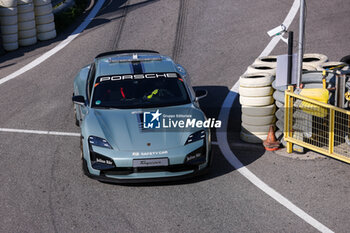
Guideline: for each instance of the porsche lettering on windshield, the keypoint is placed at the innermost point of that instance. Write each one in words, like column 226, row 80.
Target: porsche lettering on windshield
column 140, row 91
column 137, row 76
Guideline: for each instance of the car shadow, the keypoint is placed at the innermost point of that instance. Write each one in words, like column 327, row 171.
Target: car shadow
column 246, row 153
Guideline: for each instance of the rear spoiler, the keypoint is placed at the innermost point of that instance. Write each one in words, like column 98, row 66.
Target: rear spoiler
column 125, row 51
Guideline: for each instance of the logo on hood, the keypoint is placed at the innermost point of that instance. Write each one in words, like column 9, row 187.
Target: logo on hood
column 151, row 120
column 156, row 120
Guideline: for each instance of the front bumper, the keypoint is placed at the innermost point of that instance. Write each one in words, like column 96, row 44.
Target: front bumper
column 102, row 177
column 176, row 170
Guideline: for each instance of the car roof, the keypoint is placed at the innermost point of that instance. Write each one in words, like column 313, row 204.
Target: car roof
column 133, row 62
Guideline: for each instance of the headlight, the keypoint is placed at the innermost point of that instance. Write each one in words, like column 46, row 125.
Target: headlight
column 195, row 137
column 96, row 141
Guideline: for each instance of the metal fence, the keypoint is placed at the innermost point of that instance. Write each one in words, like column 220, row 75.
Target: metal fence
column 317, row 126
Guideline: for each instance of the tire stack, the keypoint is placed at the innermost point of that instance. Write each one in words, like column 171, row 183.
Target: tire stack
column 311, row 62
column 26, row 23
column 9, row 24
column 45, row 25
column 256, row 99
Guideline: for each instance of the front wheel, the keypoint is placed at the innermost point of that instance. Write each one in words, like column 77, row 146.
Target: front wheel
column 75, row 117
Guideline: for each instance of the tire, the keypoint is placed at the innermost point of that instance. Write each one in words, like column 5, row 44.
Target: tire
column 47, row 35
column 314, row 59
column 331, row 64
column 8, row 20
column 27, row 41
column 8, row 11
column 284, row 143
column 25, row 8
column 10, row 46
column 259, row 111
column 10, row 38
column 278, row 88
column 279, row 96
column 44, row 19
column 346, row 59
column 280, row 125
column 312, row 77
column 9, row 29
column 26, row 25
column 28, row 16
column 308, row 67
column 313, row 85
column 266, row 60
column 261, row 68
column 280, row 114
column 255, row 91
column 45, row 27
column 252, row 138
column 22, row 2
column 41, row 2
column 279, row 104
column 8, row 3
column 256, row 101
column 76, row 119
column 43, row 9
column 256, row 80
column 27, row 33
column 256, row 130
column 258, row 120
column 279, row 134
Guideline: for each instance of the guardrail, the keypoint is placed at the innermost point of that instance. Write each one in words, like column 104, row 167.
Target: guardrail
column 317, row 126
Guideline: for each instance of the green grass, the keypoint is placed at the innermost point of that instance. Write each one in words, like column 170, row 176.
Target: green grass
column 66, row 18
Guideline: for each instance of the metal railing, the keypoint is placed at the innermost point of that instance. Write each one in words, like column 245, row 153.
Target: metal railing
column 317, row 126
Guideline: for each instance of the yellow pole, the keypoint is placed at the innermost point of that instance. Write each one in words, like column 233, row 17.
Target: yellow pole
column 288, row 117
column 331, row 132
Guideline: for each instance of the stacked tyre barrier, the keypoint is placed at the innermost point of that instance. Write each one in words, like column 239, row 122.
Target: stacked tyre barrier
column 9, row 24
column 26, row 23
column 44, row 19
column 256, row 99
column 263, row 102
column 23, row 22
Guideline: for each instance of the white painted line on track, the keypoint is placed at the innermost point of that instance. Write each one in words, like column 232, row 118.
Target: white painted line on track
column 234, row 161
column 58, row 47
column 26, row 131
column 287, row 21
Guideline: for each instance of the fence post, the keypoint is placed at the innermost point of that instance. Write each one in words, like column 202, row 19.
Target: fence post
column 288, row 116
column 331, row 131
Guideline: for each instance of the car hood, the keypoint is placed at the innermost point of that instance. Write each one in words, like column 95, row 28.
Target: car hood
column 123, row 128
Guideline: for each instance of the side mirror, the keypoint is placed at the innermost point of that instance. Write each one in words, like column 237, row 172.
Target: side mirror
column 78, row 99
column 200, row 94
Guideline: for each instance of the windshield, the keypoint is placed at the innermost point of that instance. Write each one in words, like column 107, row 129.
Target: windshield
column 139, row 93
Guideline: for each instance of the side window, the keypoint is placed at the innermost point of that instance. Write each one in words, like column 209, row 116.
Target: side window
column 91, row 80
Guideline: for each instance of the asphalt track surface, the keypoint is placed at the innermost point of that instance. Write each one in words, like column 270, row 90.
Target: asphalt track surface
column 43, row 188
